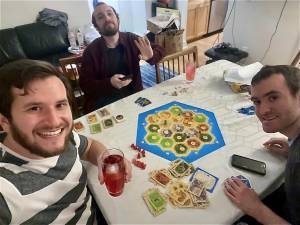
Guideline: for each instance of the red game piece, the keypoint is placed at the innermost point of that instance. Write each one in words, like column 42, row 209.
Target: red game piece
column 139, row 164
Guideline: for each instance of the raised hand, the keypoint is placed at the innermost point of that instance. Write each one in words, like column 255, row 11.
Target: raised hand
column 145, row 48
column 278, row 146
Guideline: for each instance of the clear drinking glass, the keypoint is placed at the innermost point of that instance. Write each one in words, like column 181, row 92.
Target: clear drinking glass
column 113, row 169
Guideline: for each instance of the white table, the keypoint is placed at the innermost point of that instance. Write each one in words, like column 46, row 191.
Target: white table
column 242, row 134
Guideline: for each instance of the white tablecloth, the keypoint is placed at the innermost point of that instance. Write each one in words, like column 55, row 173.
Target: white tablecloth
column 242, row 135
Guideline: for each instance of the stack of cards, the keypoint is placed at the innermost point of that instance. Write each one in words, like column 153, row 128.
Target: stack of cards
column 78, row 126
column 142, row 101
column 103, row 112
column 155, row 201
column 94, row 126
column 161, row 177
column 183, row 196
column 180, row 168
column 198, row 193
column 107, row 123
column 119, row 118
column 208, row 179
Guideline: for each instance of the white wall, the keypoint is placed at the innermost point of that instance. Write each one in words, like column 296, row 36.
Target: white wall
column 254, row 23
column 14, row 13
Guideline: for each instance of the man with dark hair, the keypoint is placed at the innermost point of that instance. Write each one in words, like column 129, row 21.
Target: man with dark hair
column 42, row 179
column 110, row 64
column 275, row 92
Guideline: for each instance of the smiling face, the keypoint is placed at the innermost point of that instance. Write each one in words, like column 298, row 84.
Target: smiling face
column 41, row 119
column 106, row 20
column 277, row 109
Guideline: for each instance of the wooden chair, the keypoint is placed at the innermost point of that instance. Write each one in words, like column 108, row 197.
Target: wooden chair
column 174, row 64
column 71, row 68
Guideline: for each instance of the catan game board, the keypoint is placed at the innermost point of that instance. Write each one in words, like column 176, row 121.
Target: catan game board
column 176, row 130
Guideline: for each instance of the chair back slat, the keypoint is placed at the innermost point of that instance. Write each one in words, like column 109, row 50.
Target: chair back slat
column 174, row 64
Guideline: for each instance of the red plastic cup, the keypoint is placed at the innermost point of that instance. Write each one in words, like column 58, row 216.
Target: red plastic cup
column 190, row 70
column 113, row 169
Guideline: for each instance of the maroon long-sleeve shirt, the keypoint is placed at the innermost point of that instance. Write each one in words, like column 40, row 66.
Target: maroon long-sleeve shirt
column 94, row 75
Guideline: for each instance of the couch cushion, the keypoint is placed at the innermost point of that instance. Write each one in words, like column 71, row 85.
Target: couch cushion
column 10, row 46
column 39, row 39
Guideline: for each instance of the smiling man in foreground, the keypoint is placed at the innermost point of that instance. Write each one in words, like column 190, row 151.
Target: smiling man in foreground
column 275, row 91
column 42, row 180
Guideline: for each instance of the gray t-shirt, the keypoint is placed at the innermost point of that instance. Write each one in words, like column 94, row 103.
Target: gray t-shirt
column 47, row 191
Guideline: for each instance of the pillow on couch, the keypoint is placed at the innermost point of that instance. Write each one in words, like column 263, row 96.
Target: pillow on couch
column 39, row 39
column 10, row 46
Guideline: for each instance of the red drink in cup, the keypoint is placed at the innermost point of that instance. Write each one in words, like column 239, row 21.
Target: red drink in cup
column 190, row 70
column 113, row 169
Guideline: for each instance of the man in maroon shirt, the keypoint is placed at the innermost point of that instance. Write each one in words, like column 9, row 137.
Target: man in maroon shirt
column 110, row 64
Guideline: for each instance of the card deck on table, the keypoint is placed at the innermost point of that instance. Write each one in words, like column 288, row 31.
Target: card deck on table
column 107, row 123
column 95, row 128
column 145, row 102
column 78, row 126
column 138, row 100
column 161, row 177
column 103, row 112
column 155, row 201
column 196, row 187
column 142, row 101
column 92, row 118
column 180, row 168
column 119, row 118
column 209, row 179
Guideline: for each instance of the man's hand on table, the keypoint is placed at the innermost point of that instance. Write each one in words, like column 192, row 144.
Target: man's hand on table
column 277, row 146
column 243, row 197
column 128, row 171
column 117, row 83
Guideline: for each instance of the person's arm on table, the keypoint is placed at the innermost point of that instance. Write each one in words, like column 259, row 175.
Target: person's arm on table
column 248, row 201
column 93, row 154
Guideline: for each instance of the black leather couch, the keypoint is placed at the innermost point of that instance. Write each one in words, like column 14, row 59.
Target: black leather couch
column 34, row 41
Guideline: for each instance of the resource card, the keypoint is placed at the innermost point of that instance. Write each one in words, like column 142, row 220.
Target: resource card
column 206, row 177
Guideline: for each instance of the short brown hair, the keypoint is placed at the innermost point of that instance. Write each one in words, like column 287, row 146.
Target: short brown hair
column 98, row 4
column 291, row 75
column 19, row 74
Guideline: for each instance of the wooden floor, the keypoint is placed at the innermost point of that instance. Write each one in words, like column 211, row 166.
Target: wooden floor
column 204, row 44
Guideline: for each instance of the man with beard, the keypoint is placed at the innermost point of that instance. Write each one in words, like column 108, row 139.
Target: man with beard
column 275, row 92
column 110, row 64
column 42, row 179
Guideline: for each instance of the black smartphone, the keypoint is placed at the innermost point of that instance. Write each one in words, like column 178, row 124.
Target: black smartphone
column 127, row 77
column 248, row 164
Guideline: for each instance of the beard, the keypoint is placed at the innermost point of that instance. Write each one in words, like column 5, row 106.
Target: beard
column 33, row 147
column 108, row 30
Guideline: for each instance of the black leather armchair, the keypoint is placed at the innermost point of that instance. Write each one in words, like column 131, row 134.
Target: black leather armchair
column 34, row 41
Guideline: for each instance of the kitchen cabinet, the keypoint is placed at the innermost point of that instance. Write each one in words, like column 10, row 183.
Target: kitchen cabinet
column 197, row 21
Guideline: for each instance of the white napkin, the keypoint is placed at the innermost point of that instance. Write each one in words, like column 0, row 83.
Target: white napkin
column 242, row 75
